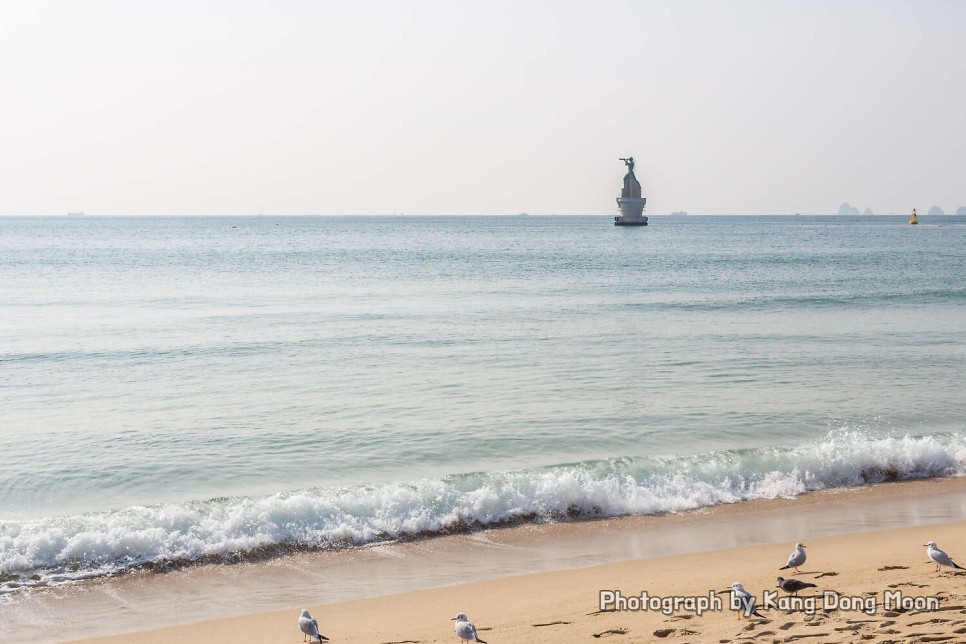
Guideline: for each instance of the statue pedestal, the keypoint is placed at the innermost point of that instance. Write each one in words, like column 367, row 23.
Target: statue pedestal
column 632, row 211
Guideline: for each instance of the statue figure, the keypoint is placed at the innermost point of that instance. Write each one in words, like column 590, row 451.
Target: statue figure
column 632, row 187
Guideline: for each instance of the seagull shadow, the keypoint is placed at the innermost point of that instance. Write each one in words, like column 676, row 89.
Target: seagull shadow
column 814, row 573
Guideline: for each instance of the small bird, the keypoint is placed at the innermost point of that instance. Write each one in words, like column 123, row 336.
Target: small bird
column 940, row 557
column 742, row 601
column 310, row 627
column 793, row 585
column 465, row 629
column 796, row 559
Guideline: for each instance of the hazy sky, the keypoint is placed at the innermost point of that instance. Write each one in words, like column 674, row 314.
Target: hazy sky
column 453, row 107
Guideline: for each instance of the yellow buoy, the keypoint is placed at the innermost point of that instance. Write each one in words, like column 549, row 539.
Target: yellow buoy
column 912, row 220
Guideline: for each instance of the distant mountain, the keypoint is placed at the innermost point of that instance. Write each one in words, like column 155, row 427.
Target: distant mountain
column 961, row 211
column 935, row 210
column 848, row 211
column 867, row 212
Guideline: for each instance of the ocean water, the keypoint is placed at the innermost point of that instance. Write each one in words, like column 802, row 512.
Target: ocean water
column 180, row 389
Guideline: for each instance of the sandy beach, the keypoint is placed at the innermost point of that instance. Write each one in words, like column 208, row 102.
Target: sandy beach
column 871, row 585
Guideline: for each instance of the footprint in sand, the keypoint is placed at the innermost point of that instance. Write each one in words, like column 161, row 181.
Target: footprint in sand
column 792, row 638
column 753, row 625
column 935, row 620
column 909, row 583
column 786, row 626
column 550, row 624
column 613, row 631
column 884, row 568
column 956, row 607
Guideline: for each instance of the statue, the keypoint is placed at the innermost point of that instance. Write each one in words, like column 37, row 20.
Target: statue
column 632, row 187
column 631, row 202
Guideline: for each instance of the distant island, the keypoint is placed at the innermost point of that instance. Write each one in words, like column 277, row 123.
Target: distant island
column 678, row 213
column 848, row 210
column 76, row 214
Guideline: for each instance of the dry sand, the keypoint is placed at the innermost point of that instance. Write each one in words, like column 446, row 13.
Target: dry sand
column 563, row 606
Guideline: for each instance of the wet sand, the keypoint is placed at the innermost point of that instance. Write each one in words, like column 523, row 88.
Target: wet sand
column 510, row 579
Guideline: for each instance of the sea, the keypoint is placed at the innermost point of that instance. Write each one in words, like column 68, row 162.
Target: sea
column 182, row 390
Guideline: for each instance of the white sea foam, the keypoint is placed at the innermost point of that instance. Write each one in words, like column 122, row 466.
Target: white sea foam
column 58, row 549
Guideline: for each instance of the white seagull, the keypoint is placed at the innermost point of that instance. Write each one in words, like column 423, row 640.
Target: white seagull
column 310, row 627
column 742, row 601
column 940, row 557
column 465, row 629
column 796, row 559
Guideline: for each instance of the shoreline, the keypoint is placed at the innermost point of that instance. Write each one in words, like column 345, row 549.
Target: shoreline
column 875, row 586
column 105, row 610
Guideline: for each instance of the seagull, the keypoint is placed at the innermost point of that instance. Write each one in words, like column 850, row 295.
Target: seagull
column 796, row 559
column 793, row 585
column 940, row 557
column 742, row 600
column 465, row 629
column 310, row 627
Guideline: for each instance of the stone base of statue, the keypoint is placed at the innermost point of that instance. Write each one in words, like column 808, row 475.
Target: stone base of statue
column 632, row 211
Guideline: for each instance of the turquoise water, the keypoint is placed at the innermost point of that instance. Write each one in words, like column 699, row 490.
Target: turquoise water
column 188, row 388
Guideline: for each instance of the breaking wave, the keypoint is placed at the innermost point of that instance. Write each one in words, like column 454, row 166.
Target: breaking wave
column 67, row 548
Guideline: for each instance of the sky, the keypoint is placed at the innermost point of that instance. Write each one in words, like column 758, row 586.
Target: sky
column 429, row 107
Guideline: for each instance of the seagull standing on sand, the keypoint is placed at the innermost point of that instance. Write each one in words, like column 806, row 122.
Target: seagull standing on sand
column 466, row 630
column 796, row 559
column 310, row 627
column 742, row 600
column 793, row 585
column 940, row 557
